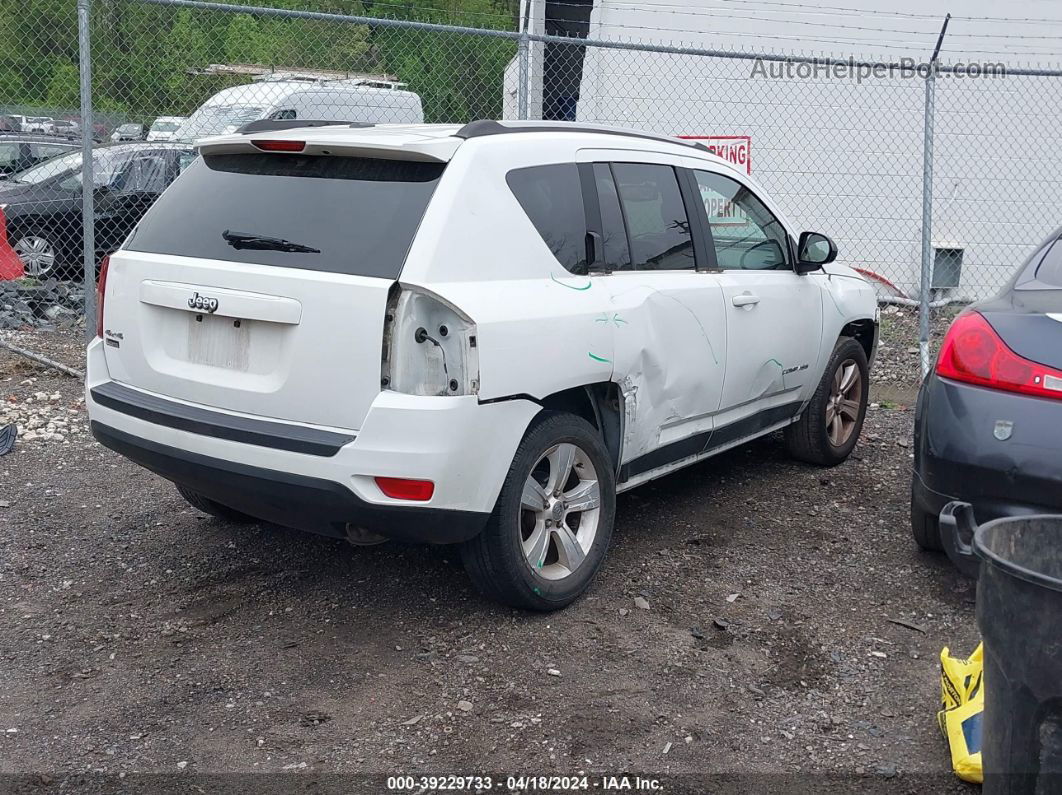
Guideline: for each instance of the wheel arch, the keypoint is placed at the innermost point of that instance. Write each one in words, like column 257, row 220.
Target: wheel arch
column 600, row 404
column 865, row 332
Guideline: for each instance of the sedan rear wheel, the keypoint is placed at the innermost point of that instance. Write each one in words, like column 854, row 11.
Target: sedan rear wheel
column 37, row 252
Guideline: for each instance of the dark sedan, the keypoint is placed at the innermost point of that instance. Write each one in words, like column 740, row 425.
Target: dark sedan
column 988, row 423
column 42, row 205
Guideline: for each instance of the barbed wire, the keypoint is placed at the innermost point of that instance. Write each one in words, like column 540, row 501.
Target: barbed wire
column 817, row 10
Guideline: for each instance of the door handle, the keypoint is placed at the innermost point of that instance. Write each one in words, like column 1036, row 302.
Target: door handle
column 745, row 299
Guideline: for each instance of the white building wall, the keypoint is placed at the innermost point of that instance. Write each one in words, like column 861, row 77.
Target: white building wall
column 844, row 157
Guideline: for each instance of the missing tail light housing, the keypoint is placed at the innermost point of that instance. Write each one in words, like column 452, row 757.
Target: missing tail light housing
column 101, row 293
column 429, row 346
column 974, row 353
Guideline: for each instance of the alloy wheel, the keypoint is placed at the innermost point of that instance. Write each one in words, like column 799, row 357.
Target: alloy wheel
column 846, row 397
column 559, row 511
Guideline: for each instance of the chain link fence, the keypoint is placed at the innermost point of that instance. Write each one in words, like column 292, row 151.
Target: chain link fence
column 839, row 143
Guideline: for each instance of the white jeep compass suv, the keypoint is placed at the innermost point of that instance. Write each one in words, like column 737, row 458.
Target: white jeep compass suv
column 473, row 335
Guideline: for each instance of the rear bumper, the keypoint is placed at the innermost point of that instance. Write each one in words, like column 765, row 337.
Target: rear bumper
column 465, row 448
column 285, row 498
column 958, row 455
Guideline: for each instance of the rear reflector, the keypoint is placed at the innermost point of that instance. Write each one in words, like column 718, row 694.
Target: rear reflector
column 101, row 293
column 974, row 353
column 405, row 489
column 280, row 146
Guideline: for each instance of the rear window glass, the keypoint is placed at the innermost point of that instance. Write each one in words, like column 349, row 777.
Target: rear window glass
column 360, row 214
column 552, row 197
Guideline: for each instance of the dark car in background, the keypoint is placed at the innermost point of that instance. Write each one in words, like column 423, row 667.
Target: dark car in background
column 42, row 205
column 988, row 422
column 129, row 132
column 19, row 151
column 66, row 128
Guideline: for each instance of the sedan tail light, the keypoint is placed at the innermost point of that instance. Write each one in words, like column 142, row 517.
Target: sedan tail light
column 101, row 293
column 974, row 353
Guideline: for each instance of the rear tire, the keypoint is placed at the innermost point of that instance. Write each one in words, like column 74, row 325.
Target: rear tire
column 550, row 530
column 215, row 509
column 39, row 250
column 925, row 528
column 828, row 430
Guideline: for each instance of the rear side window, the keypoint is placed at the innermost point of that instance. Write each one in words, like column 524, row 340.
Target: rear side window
column 552, row 198
column 657, row 224
column 1050, row 270
column 10, row 155
column 360, row 214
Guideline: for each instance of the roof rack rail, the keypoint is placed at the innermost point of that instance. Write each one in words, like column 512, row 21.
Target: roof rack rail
column 483, row 127
column 275, row 125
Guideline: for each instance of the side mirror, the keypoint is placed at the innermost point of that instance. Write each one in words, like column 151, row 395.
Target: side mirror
column 814, row 251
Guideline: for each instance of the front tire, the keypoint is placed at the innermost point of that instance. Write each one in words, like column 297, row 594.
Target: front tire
column 829, row 428
column 550, row 529
column 212, row 508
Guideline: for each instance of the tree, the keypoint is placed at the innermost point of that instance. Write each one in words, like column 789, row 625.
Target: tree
column 244, row 42
column 64, row 89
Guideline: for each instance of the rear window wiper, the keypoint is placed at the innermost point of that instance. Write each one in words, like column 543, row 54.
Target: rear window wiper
column 264, row 242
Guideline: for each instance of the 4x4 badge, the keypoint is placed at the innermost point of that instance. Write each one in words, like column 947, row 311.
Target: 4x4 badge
column 203, row 303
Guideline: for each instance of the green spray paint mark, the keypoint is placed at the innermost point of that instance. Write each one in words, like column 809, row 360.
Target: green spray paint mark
column 537, row 590
column 589, row 284
column 615, row 319
column 597, row 358
column 780, row 367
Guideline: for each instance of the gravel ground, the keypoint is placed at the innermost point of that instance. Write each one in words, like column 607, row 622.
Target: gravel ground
column 741, row 625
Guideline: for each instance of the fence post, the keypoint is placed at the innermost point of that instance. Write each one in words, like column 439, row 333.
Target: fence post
column 927, row 204
column 927, row 222
column 523, row 54
column 88, row 206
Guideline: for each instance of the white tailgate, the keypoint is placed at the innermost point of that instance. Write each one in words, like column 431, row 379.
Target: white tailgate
column 285, row 343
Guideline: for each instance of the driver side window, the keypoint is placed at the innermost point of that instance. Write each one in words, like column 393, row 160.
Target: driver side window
column 745, row 233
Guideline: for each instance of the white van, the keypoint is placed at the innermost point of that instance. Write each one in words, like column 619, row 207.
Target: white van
column 357, row 99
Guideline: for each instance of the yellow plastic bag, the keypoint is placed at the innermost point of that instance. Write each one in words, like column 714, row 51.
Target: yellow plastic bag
column 962, row 702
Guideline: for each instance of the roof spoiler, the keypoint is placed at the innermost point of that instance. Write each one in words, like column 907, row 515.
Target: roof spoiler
column 483, row 127
column 275, row 125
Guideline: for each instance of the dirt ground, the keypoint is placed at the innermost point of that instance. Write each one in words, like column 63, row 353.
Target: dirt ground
column 139, row 636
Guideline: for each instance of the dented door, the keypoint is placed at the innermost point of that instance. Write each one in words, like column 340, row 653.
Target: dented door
column 670, row 350
column 665, row 316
